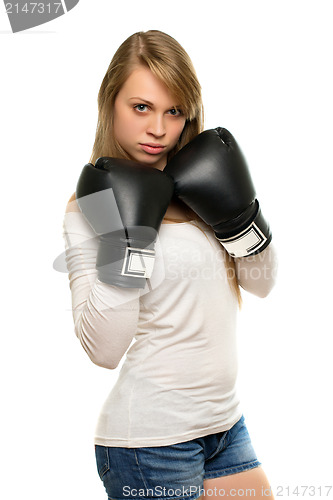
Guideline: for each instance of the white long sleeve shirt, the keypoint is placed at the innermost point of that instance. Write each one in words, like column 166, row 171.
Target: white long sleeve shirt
column 178, row 379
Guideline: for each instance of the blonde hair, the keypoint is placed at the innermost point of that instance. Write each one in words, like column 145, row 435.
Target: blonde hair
column 171, row 64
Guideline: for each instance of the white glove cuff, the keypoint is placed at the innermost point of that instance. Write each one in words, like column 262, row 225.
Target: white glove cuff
column 246, row 243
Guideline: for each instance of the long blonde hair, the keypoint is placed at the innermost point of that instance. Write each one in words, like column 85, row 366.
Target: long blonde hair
column 169, row 62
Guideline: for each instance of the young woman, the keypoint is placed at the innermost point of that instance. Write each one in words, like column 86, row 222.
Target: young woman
column 172, row 426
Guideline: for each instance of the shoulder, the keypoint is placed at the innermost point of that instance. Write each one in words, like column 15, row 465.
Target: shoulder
column 72, row 205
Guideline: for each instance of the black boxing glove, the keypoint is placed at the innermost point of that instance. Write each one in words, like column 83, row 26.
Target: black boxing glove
column 124, row 202
column 211, row 176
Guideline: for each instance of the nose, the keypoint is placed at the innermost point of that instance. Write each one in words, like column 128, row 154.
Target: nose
column 156, row 125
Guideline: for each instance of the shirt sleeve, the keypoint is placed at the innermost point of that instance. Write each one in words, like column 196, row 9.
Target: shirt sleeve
column 105, row 317
column 257, row 273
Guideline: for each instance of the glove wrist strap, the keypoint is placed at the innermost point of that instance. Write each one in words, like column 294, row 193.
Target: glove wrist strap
column 250, row 237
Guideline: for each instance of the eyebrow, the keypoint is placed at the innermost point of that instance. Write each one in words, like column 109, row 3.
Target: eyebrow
column 142, row 99
column 178, row 106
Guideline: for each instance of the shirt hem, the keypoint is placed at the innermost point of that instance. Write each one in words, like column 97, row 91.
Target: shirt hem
column 165, row 441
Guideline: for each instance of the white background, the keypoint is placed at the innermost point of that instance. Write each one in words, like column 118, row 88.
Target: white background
column 266, row 74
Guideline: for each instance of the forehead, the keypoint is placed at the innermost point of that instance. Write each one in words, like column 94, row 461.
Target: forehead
column 143, row 83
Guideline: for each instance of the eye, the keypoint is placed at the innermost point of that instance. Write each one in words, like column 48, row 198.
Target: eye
column 175, row 112
column 141, row 107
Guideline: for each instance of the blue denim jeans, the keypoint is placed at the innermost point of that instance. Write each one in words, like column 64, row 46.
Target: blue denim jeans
column 177, row 471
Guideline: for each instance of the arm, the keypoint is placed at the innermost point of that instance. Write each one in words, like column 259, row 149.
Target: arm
column 105, row 316
column 211, row 176
column 257, row 273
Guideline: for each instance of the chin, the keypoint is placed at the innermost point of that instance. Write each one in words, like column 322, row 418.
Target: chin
column 152, row 161
column 155, row 164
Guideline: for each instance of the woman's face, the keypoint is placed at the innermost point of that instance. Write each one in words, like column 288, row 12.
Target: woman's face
column 146, row 123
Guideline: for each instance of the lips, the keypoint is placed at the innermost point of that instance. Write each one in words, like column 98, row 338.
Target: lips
column 152, row 148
